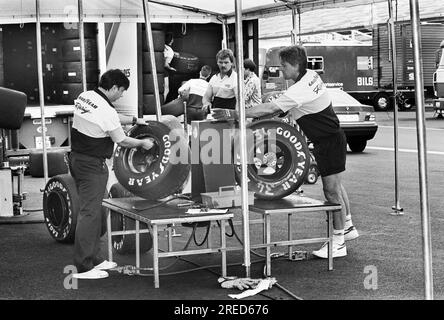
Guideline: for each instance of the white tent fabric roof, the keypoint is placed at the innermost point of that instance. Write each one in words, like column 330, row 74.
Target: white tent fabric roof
column 317, row 15
column 17, row 11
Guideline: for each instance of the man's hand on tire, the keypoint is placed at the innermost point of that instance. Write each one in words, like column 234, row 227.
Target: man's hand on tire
column 224, row 114
column 141, row 122
column 147, row 144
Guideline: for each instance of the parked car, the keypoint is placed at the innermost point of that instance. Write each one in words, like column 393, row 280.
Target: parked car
column 356, row 119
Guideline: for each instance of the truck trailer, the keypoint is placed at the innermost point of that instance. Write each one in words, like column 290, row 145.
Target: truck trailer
column 365, row 70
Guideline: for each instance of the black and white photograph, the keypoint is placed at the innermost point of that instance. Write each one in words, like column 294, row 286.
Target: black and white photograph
column 221, row 159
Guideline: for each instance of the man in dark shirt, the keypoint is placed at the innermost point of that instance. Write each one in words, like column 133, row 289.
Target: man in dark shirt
column 96, row 127
column 309, row 103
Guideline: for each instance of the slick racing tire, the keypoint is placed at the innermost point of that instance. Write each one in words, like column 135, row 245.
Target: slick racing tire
column 278, row 159
column 185, row 63
column 126, row 243
column 61, row 207
column 156, row 173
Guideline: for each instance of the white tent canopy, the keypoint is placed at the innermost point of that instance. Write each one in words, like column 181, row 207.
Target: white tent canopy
column 316, row 16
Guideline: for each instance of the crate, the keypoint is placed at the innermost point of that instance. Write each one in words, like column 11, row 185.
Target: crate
column 226, row 197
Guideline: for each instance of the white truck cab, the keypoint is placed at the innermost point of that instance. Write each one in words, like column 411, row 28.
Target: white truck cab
column 438, row 83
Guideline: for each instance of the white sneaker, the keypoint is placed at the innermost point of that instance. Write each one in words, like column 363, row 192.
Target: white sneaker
column 105, row 265
column 91, row 274
column 339, row 250
column 350, row 233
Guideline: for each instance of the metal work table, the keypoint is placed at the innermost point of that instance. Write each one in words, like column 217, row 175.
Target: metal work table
column 291, row 205
column 165, row 214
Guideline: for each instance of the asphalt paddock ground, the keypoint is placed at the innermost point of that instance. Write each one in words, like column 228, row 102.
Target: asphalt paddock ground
column 385, row 262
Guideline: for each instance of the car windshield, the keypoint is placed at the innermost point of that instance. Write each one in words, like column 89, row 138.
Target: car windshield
column 341, row 98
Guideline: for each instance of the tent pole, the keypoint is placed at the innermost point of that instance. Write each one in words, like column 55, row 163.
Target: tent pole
column 224, row 34
column 422, row 154
column 82, row 45
column 41, row 90
column 397, row 210
column 149, row 41
column 293, row 31
column 242, row 133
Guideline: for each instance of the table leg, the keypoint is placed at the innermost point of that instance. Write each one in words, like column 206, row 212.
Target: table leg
column 290, row 248
column 156, row 256
column 268, row 240
column 170, row 238
column 223, row 248
column 109, row 231
column 330, row 239
column 138, row 246
column 209, row 236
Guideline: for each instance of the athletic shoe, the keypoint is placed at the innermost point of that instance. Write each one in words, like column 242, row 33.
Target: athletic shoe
column 105, row 265
column 339, row 250
column 91, row 274
column 350, row 233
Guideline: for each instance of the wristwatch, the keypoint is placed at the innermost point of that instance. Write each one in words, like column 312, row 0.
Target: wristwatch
column 134, row 120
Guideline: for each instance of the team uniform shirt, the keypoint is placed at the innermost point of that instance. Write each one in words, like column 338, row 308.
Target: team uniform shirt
column 94, row 117
column 168, row 53
column 224, row 90
column 252, row 87
column 309, row 103
column 197, row 89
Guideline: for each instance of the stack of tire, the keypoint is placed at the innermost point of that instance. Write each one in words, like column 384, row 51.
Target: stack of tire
column 50, row 59
column 149, row 102
column 71, row 69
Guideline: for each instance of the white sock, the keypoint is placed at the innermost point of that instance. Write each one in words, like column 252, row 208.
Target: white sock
column 348, row 222
column 338, row 236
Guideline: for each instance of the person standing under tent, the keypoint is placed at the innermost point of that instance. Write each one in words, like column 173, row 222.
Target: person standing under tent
column 222, row 91
column 310, row 105
column 169, row 55
column 96, row 127
column 252, row 84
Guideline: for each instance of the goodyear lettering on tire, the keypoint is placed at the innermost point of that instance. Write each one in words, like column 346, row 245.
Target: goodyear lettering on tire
column 278, row 159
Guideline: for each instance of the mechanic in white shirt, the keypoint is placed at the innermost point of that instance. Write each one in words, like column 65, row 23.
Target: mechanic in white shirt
column 96, row 127
column 169, row 55
column 191, row 93
column 222, row 91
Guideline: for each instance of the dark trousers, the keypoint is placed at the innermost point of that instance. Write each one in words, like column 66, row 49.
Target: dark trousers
column 176, row 108
column 91, row 175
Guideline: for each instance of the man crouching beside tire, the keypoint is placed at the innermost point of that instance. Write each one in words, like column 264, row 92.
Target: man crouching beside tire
column 96, row 127
column 310, row 105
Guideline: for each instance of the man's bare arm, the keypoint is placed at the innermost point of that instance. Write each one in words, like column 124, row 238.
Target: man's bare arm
column 261, row 110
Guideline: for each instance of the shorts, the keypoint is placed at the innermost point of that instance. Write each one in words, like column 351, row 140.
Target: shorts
column 330, row 154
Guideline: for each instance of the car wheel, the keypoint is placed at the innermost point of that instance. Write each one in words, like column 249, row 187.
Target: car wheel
column 407, row 105
column 381, row 102
column 156, row 173
column 278, row 159
column 312, row 176
column 357, row 145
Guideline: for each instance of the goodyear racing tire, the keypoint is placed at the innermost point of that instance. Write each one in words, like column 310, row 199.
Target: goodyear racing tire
column 72, row 72
column 71, row 31
column 148, row 83
column 158, row 40
column 156, row 173
column 71, row 50
column 61, row 207
column 185, row 63
column 278, row 159
column 56, row 163
column 126, row 243
column 146, row 62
